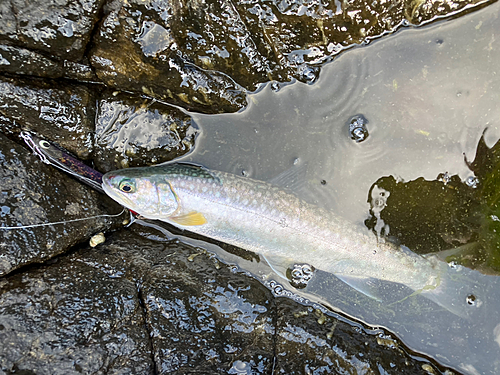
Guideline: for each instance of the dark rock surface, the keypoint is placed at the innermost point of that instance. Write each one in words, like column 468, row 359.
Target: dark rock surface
column 325, row 345
column 63, row 113
column 59, row 27
column 200, row 316
column 35, row 193
column 18, row 60
column 134, row 50
column 71, row 318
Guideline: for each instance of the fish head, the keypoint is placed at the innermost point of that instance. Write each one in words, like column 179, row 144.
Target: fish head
column 141, row 190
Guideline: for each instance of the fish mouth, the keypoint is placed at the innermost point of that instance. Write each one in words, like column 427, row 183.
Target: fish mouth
column 108, row 189
column 111, row 192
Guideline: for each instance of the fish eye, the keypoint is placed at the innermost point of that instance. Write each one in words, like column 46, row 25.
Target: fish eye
column 127, row 186
column 44, row 144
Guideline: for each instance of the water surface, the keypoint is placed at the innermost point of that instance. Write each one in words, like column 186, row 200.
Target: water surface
column 428, row 95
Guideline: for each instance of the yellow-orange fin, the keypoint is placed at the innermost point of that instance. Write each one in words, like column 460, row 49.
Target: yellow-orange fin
column 190, row 219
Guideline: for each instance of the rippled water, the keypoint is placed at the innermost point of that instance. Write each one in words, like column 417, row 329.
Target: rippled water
column 427, row 94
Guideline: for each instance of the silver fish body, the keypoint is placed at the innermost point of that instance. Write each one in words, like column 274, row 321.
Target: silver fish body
column 268, row 220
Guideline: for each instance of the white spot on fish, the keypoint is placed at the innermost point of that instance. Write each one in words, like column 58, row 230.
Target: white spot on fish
column 204, row 189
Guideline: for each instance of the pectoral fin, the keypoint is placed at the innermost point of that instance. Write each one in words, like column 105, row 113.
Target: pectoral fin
column 190, row 219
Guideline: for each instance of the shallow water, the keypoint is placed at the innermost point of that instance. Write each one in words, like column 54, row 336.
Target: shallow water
column 428, row 94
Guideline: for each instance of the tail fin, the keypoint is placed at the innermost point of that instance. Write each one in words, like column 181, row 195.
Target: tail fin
column 457, row 292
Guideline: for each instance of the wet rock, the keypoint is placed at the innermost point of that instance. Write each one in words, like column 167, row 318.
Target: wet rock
column 203, row 317
column 422, row 12
column 305, row 35
column 17, row 60
column 63, row 113
column 190, row 54
column 214, row 36
column 61, row 28
column 132, row 131
column 325, row 345
column 23, row 61
column 206, row 319
column 35, row 193
column 70, row 318
column 135, row 50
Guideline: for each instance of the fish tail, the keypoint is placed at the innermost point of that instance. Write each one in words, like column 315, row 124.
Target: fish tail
column 456, row 292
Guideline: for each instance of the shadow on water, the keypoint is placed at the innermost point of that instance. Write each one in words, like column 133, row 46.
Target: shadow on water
column 427, row 95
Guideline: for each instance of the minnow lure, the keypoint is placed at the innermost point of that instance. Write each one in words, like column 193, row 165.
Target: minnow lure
column 53, row 155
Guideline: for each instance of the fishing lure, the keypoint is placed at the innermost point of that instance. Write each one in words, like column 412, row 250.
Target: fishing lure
column 50, row 154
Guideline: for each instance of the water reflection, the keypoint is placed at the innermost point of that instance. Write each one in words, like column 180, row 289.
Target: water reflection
column 428, row 94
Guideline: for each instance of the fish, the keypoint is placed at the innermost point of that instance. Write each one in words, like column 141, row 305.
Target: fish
column 275, row 223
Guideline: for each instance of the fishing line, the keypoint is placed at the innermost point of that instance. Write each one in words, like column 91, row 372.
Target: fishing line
column 62, row 222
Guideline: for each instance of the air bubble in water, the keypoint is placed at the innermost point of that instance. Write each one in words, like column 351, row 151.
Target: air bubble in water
column 444, row 178
column 379, row 198
column 277, row 288
column 472, row 181
column 275, row 86
column 300, row 275
column 308, row 74
column 471, row 300
column 357, row 128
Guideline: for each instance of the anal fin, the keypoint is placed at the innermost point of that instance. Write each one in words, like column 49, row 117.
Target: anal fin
column 366, row 285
